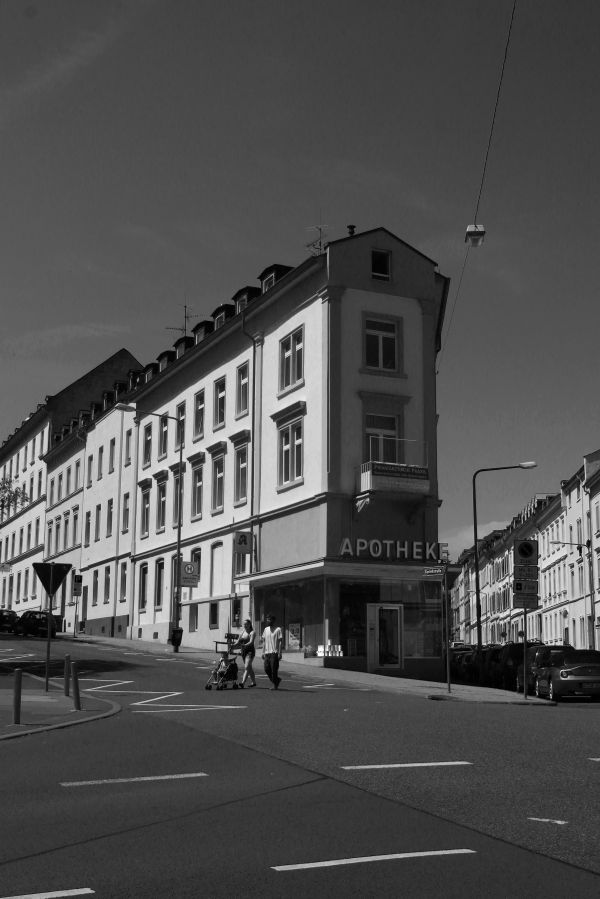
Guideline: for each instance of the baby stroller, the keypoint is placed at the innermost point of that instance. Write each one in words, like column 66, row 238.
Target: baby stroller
column 225, row 670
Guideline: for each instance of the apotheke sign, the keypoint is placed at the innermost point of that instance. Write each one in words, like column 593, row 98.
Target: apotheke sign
column 393, row 550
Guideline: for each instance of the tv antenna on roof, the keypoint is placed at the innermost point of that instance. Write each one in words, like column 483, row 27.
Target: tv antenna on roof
column 317, row 246
column 186, row 317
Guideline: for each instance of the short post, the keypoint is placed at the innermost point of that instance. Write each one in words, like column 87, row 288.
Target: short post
column 67, row 673
column 17, row 696
column 76, row 697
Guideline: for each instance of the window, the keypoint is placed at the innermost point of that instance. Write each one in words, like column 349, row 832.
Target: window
column 37, row 532
column 90, row 466
column 193, row 620
column 57, row 536
column 240, row 564
column 95, row 588
column 39, row 489
column 107, row 584
column 66, row 531
column 125, row 527
column 381, row 344
column 123, row 583
column 59, row 488
column 26, row 584
column 199, row 414
column 219, row 403
column 51, row 498
column 241, row 394
column 180, row 434
column 29, row 536
column 161, row 506
column 159, row 582
column 163, row 436
column 177, row 486
column 68, row 483
column 196, row 558
column 100, row 461
column 128, row 447
column 75, row 526
column 290, row 453
column 145, row 513
column 291, row 359
column 381, row 435
column 147, row 445
column 77, row 475
column 218, row 483
column 111, row 455
column 86, row 533
column 381, row 265
column 241, row 474
column 97, row 524
column 197, row 485
column 21, row 540
column 143, row 588
column 109, row 517
column 213, row 614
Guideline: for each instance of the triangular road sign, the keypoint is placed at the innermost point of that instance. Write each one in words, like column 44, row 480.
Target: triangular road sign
column 51, row 574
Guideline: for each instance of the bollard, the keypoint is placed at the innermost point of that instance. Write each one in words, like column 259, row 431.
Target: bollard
column 17, row 697
column 67, row 673
column 76, row 697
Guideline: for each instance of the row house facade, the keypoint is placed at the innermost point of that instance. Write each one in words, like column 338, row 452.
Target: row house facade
column 287, row 449
column 566, row 526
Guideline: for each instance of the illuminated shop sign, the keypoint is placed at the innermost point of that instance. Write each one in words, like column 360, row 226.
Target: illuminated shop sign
column 393, row 550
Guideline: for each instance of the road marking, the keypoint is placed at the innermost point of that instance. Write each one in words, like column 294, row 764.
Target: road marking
column 403, row 765
column 548, row 820
column 315, row 686
column 82, row 892
column 196, row 708
column 594, row 760
column 372, row 858
column 128, row 780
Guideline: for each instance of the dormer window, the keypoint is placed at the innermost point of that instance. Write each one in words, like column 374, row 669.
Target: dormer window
column 219, row 320
column 240, row 304
column 268, row 282
column 381, row 265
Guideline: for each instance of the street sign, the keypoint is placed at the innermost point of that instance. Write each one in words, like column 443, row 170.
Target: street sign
column 526, row 573
column 51, row 574
column 77, row 584
column 242, row 542
column 527, row 603
column 525, row 587
column 189, row 574
column 526, row 552
column 437, row 571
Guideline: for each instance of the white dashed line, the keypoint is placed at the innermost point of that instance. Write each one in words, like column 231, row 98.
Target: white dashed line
column 128, row 780
column 548, row 820
column 372, row 858
column 84, row 891
column 404, row 765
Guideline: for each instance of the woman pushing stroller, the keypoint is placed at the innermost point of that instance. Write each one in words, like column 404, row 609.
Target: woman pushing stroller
column 246, row 643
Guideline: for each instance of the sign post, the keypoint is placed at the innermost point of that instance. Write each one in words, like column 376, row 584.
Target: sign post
column 525, row 588
column 51, row 574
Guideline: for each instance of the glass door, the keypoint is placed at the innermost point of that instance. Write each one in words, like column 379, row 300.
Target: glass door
column 384, row 636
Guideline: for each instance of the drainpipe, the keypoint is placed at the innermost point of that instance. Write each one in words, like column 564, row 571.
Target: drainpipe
column 133, row 516
column 255, row 441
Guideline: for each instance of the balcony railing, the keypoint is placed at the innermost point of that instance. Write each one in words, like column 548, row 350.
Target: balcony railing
column 395, row 466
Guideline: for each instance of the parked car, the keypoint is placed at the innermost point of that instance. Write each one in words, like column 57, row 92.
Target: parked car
column 537, row 656
column 505, row 673
column 8, row 619
column 35, row 624
column 569, row 672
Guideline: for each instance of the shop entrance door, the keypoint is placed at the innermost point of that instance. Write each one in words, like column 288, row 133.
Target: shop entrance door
column 384, row 636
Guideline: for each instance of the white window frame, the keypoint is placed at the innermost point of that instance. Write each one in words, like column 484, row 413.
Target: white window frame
column 290, row 453
column 197, row 490
column 242, row 389
column 220, row 408
column 291, row 359
column 241, row 473
column 218, row 483
column 199, row 410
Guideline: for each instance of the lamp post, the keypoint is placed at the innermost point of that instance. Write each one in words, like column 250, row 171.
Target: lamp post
column 476, row 549
column 175, row 605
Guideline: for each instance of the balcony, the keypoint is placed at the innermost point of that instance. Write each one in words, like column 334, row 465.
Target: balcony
column 395, row 467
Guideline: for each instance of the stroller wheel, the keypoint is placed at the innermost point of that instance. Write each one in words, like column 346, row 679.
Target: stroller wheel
column 235, row 686
column 208, row 687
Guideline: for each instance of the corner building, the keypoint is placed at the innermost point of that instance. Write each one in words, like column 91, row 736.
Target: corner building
column 307, row 409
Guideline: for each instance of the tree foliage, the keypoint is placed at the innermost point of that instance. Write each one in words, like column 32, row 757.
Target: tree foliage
column 11, row 495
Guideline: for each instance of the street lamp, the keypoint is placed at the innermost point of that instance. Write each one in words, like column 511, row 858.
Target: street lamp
column 175, row 605
column 476, row 549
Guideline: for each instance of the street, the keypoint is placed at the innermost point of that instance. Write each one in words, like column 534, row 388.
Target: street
column 323, row 787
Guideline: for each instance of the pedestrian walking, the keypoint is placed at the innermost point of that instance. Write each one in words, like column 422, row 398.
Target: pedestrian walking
column 272, row 641
column 248, row 651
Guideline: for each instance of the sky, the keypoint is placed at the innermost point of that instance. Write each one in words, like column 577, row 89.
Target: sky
column 158, row 153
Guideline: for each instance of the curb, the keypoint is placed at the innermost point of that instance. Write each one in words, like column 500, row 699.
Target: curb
column 523, row 702
column 114, row 709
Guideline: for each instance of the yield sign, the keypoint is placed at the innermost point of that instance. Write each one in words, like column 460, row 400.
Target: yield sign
column 51, row 574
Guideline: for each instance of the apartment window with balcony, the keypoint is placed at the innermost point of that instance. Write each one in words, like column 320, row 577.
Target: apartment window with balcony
column 100, row 461
column 197, row 488
column 111, row 455
column 109, row 517
column 143, row 588
column 107, row 583
column 199, row 414
column 218, row 483
column 180, row 433
column 159, row 583
column 95, row 588
column 163, row 436
column 145, row 513
column 382, row 438
column 219, row 404
column 290, row 455
column 291, row 359
column 161, row 506
column 147, row 457
column 125, row 526
column 382, row 344
column 241, row 473
column 241, row 393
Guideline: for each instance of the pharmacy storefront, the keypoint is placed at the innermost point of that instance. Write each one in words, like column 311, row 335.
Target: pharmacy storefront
column 377, row 607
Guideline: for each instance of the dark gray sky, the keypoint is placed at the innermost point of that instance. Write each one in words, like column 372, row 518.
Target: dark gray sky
column 164, row 152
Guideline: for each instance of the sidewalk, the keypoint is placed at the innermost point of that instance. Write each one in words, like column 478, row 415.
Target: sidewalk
column 426, row 689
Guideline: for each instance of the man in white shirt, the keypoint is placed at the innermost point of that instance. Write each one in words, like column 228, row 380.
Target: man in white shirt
column 272, row 641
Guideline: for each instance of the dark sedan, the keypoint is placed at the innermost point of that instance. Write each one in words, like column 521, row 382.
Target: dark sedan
column 35, row 624
column 572, row 672
column 8, row 619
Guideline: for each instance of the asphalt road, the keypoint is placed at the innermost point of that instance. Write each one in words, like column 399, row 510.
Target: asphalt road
column 195, row 793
